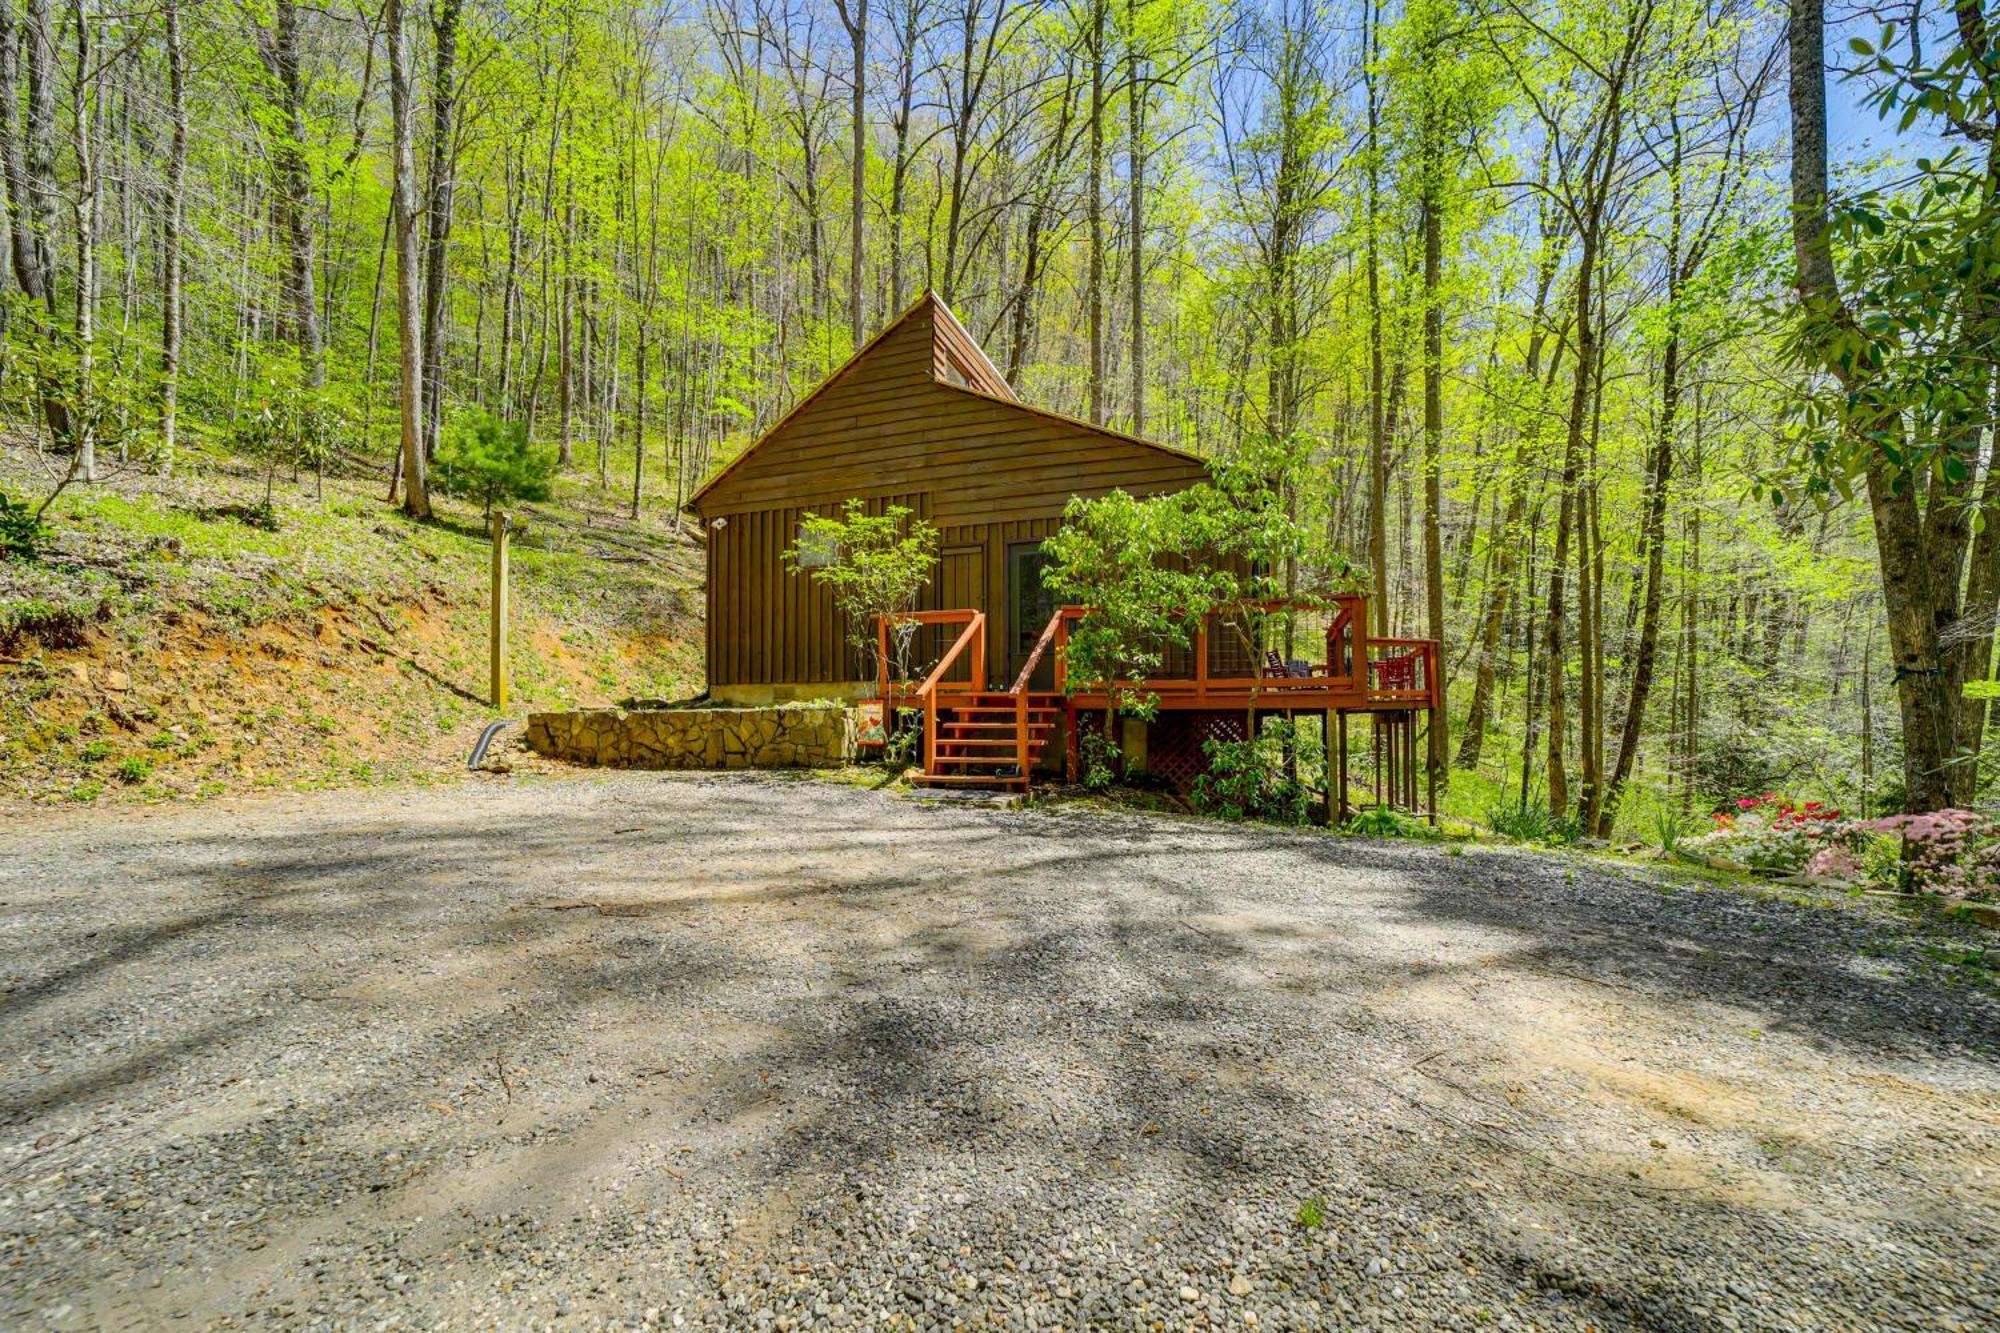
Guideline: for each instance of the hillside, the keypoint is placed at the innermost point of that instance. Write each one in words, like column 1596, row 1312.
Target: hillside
column 173, row 646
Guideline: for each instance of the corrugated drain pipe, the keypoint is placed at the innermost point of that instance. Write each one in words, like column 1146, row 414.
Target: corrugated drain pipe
column 486, row 739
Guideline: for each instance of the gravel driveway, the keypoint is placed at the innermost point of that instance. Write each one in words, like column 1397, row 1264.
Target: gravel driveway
column 636, row 1049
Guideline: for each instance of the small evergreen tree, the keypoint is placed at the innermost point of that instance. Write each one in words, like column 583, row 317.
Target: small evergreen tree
column 482, row 456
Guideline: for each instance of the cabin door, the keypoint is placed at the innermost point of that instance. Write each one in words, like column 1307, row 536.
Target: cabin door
column 1029, row 606
column 961, row 587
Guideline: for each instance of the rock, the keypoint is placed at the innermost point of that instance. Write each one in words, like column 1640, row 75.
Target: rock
column 1239, row 1285
column 117, row 680
column 1190, row 1294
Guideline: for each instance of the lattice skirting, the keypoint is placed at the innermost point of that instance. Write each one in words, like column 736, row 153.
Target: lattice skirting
column 1174, row 746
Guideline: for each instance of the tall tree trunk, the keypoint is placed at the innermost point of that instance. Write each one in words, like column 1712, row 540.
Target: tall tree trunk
column 565, row 341
column 291, row 186
column 438, row 211
column 172, row 210
column 409, row 317
column 1378, row 425
column 88, row 188
column 1920, row 568
column 854, row 14
column 1096, row 211
column 1433, row 224
column 29, row 172
column 1136, row 216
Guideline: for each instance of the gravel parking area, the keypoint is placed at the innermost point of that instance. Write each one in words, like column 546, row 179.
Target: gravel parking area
column 637, row 1049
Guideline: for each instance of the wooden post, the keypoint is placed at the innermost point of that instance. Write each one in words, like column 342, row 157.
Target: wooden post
column 1021, row 739
column 1201, row 662
column 497, row 638
column 1345, row 801
column 1430, row 720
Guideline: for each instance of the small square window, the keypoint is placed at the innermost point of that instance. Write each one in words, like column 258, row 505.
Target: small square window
column 819, row 550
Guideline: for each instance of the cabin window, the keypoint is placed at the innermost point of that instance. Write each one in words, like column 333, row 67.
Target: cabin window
column 817, row 550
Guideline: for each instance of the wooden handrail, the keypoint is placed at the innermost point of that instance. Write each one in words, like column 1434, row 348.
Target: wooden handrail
column 1020, row 685
column 973, row 635
column 974, row 628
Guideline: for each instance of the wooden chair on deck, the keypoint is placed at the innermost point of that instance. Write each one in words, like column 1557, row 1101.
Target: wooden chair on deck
column 1396, row 673
column 1275, row 665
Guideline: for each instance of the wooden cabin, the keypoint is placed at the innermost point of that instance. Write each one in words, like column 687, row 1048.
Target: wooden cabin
column 920, row 418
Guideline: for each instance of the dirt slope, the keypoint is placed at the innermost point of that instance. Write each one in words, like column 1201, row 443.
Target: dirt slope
column 171, row 646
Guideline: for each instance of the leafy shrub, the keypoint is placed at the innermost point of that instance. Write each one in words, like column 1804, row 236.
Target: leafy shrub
column 906, row 743
column 1099, row 757
column 134, row 769
column 1533, row 821
column 288, row 422
column 1251, row 780
column 484, row 458
column 876, row 566
column 23, row 536
column 1382, row 822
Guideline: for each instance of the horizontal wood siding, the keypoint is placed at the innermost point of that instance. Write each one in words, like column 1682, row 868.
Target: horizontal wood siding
column 988, row 473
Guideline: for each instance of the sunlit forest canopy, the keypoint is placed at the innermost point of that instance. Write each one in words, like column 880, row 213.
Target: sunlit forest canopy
column 1641, row 350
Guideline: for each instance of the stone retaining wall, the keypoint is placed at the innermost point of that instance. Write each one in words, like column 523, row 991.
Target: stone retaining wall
column 815, row 735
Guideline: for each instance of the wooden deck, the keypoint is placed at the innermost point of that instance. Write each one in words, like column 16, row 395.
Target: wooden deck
column 978, row 736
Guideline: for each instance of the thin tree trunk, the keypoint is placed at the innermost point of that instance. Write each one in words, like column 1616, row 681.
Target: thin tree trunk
column 409, row 316
column 1136, row 220
column 438, row 211
column 292, row 188
column 856, row 20
column 1439, row 730
column 84, row 112
column 29, row 172
column 1096, row 211
column 170, row 238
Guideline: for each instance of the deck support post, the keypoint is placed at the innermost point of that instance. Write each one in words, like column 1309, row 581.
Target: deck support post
column 1410, row 760
column 1070, row 746
column 1340, row 769
column 1430, row 770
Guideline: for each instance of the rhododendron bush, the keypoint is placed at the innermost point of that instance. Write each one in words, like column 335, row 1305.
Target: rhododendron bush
column 1951, row 853
column 1955, row 853
column 1773, row 832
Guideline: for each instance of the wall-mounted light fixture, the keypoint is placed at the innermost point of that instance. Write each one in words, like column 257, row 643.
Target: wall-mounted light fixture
column 718, row 523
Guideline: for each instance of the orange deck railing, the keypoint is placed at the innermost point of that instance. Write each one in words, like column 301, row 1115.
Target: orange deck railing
column 1223, row 668
column 970, row 645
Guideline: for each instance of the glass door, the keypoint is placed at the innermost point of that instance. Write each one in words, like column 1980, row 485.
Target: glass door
column 1029, row 606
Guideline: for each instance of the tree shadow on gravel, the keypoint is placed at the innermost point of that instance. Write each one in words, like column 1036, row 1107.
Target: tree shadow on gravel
column 1818, row 970
column 1012, row 990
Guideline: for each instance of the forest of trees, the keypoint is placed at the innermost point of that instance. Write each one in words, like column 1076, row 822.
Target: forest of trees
column 1619, row 369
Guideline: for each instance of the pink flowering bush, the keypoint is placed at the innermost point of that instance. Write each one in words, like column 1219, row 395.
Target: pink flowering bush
column 1952, row 853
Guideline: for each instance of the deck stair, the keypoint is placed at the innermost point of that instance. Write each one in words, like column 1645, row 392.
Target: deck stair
column 978, row 742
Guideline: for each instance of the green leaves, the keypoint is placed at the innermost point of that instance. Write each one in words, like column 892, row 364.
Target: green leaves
column 1152, row 570
column 490, row 459
column 875, row 564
